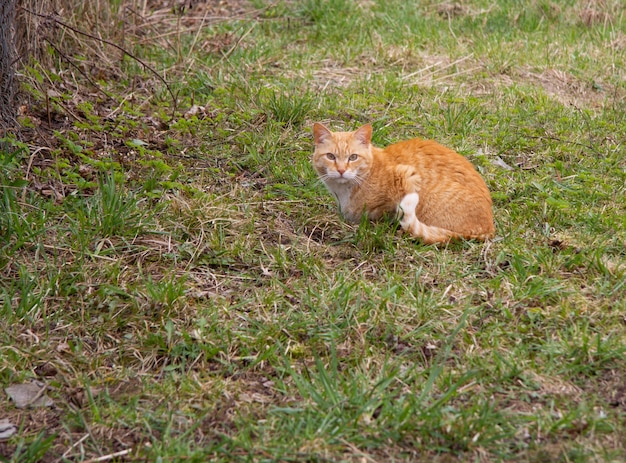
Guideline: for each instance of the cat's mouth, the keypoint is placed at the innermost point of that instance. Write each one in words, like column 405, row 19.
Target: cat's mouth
column 341, row 179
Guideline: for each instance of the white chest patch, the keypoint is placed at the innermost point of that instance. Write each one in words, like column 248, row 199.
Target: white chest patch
column 342, row 191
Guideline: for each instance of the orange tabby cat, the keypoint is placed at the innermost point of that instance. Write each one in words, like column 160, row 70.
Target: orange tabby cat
column 436, row 192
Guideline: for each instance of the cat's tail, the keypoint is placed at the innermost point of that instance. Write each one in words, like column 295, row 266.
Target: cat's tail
column 429, row 234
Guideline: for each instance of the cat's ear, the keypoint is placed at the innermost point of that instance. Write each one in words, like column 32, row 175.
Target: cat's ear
column 364, row 134
column 321, row 133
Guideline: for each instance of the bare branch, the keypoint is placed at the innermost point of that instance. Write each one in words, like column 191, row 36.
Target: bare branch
column 113, row 44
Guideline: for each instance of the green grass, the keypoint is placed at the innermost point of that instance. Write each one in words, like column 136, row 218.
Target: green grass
column 187, row 290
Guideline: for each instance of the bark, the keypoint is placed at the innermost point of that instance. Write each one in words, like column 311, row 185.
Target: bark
column 8, row 57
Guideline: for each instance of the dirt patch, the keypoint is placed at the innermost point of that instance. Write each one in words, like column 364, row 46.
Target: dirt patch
column 32, row 422
column 330, row 74
column 612, row 388
column 557, row 84
column 566, row 88
column 554, row 386
column 451, row 9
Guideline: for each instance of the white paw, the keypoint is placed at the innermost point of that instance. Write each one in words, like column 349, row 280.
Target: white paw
column 406, row 209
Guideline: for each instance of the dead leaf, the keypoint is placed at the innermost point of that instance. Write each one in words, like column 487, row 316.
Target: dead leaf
column 63, row 347
column 498, row 161
column 7, row 429
column 195, row 110
column 31, row 394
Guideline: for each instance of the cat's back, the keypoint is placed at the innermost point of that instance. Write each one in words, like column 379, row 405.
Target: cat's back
column 438, row 167
column 452, row 194
column 418, row 152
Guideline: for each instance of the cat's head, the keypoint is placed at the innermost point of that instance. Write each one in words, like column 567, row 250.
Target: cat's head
column 342, row 157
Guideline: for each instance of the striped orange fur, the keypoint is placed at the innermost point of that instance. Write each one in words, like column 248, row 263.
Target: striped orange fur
column 437, row 194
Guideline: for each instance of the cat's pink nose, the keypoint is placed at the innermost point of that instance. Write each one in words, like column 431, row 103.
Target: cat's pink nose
column 341, row 171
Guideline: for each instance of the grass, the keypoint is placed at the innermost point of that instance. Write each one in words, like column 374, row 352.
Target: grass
column 185, row 287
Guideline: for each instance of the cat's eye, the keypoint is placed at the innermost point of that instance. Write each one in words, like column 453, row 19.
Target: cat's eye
column 330, row 156
column 353, row 157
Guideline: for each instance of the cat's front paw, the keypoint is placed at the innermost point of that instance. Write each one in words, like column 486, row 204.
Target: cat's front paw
column 406, row 210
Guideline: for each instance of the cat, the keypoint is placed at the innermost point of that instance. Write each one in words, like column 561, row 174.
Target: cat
column 435, row 192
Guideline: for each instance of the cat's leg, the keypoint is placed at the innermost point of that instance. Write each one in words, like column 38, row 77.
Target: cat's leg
column 406, row 210
column 411, row 224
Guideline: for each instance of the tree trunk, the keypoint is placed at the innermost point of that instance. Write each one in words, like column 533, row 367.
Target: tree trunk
column 8, row 58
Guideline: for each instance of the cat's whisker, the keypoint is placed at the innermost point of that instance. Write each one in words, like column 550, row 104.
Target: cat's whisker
column 362, row 182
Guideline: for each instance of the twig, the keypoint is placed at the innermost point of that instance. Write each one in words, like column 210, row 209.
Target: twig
column 226, row 55
column 121, row 453
column 121, row 103
column 81, row 440
column 420, row 71
column 108, row 42
column 561, row 140
column 39, row 394
column 67, row 58
column 31, row 158
column 432, row 73
column 195, row 39
column 455, row 74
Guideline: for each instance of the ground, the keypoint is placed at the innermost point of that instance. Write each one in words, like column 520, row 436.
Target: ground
column 182, row 285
